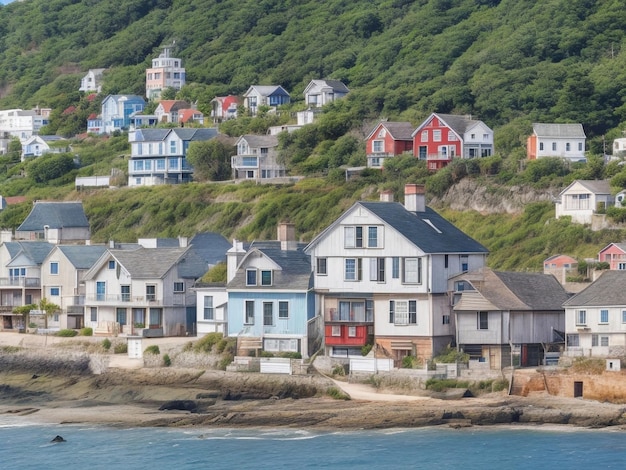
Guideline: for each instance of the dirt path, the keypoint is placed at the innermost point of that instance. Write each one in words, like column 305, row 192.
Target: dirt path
column 369, row 393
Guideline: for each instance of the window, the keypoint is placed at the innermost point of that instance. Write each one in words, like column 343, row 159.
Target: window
column 377, row 269
column 351, row 311
column 179, row 287
column 464, row 263
column 250, row 277
column 554, row 146
column 125, row 291
column 424, row 136
column 372, row 237
column 446, row 320
column 412, row 271
column 623, row 316
column 352, row 331
column 359, row 237
column 111, row 264
column 567, row 146
column 321, row 266
column 580, row 146
column 283, row 309
column 266, row 278
column 172, row 163
column 54, row 291
column 54, row 267
column 581, row 317
column 173, row 147
column 160, row 164
column 573, row 341
column 249, row 308
column 392, row 311
column 451, row 135
column 395, row 267
column 401, row 313
column 209, row 312
column 621, row 266
column 413, row 312
column 100, row 290
column 335, row 330
column 540, row 145
column 604, row 316
column 353, row 269
column 150, row 292
column 597, row 340
column 483, row 320
column 268, row 313
column 369, row 310
column 94, row 314
column 604, row 341
column 120, row 316
column 437, row 135
column 445, row 261
column 378, row 146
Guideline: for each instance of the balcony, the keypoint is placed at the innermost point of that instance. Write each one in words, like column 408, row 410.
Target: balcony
column 439, row 157
column 123, row 299
column 353, row 316
column 245, row 161
column 27, row 282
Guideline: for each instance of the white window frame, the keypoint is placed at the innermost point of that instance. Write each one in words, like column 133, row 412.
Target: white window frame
column 250, row 272
column 179, row 287
column 581, row 317
column 247, row 319
column 321, row 266
column 54, row 268
column 283, row 306
column 335, row 330
column 208, row 309
column 409, row 275
column 378, row 146
column 437, row 135
column 604, row 316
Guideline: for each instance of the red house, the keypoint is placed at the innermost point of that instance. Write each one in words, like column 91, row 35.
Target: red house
column 615, row 255
column 442, row 137
column 387, row 140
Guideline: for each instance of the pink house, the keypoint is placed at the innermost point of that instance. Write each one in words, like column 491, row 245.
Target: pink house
column 615, row 255
column 561, row 267
column 387, row 140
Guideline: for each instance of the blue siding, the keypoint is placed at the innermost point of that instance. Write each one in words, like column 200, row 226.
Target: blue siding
column 300, row 310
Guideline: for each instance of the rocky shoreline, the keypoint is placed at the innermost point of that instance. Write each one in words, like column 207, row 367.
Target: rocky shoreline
column 168, row 397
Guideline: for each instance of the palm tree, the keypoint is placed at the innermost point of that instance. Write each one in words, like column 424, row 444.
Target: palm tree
column 48, row 309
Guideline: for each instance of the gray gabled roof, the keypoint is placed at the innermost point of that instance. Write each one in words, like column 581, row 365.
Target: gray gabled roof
column 35, row 251
column 55, row 215
column 537, row 291
column 399, row 130
column 426, row 230
column 82, row 256
column 606, row 291
column 295, row 272
column 183, row 133
column 459, row 124
column 142, row 263
column 337, row 85
column 559, row 130
column 259, row 141
column 267, row 90
column 211, row 247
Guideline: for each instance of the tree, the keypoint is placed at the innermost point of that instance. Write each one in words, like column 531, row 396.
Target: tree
column 24, row 310
column 168, row 93
column 210, row 160
column 48, row 309
column 49, row 167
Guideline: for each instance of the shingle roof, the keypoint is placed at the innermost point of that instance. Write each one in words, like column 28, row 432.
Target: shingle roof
column 596, row 186
column 268, row 90
column 558, row 130
column 537, row 291
column 295, row 266
column 35, row 251
column 458, row 123
column 336, row 85
column 82, row 256
column 54, row 215
column 608, row 290
column 258, row 141
column 211, row 247
column 399, row 130
column 186, row 134
column 148, row 263
column 426, row 230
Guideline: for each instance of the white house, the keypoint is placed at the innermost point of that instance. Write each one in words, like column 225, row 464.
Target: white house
column 92, row 81
column 166, row 72
column 595, row 318
column 582, row 199
column 557, row 140
column 320, row 92
column 38, row 145
column 23, row 123
column 259, row 95
column 381, row 272
column 257, row 158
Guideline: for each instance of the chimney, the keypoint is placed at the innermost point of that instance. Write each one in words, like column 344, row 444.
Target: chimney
column 233, row 256
column 183, row 242
column 287, row 236
column 386, row 195
column 414, row 198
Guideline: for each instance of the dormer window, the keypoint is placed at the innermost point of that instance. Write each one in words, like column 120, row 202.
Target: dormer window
column 251, row 277
column 111, row 264
column 266, row 278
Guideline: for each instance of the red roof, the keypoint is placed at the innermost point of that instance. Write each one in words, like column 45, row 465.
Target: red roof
column 69, row 110
column 186, row 115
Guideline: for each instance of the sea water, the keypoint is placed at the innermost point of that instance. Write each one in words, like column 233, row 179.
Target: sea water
column 27, row 446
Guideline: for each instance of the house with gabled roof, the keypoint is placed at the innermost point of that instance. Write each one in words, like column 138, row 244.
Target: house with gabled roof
column 261, row 95
column 56, row 222
column 190, row 116
column 224, row 108
column 582, row 199
column 561, row 267
column 144, row 291
column 443, row 137
column 257, row 158
column 167, row 111
column 595, row 318
column 92, row 81
column 116, row 114
column 557, row 140
column 381, row 271
column 270, row 298
column 320, row 92
column 20, row 278
column 166, row 72
column 615, row 255
column 62, row 281
column 38, row 145
column 387, row 140
column 507, row 319
column 158, row 156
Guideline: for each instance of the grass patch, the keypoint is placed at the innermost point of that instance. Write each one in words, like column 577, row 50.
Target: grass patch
column 120, row 348
column 152, row 349
column 67, row 333
column 206, row 343
column 588, row 365
column 87, row 331
column 336, row 393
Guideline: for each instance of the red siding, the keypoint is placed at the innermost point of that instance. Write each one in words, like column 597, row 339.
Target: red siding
column 395, row 147
column 344, row 340
column 435, row 155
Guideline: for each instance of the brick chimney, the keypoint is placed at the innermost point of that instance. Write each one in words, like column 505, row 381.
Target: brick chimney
column 386, row 195
column 287, row 236
column 414, row 198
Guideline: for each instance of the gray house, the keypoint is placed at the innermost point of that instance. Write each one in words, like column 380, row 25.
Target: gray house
column 504, row 314
column 55, row 222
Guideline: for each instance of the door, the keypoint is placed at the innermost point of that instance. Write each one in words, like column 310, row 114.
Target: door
column 578, row 389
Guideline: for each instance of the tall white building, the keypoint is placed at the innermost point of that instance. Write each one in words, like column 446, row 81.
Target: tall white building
column 166, row 72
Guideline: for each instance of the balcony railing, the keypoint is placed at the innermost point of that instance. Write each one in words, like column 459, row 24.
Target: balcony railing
column 334, row 315
column 33, row 282
column 437, row 156
column 123, row 299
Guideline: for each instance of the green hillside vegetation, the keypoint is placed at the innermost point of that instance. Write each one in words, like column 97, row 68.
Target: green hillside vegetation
column 508, row 63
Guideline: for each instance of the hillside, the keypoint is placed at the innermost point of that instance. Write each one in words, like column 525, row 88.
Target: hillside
column 507, row 62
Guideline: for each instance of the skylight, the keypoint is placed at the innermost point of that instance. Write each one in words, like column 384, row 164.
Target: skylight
column 432, row 225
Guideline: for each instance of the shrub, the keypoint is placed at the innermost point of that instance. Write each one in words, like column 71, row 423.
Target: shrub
column 336, row 393
column 587, row 365
column 152, row 349
column 266, row 354
column 67, row 333
column 32, row 325
column 120, row 348
column 499, row 385
column 87, row 331
column 166, row 360
column 227, row 359
column 206, row 343
column 411, row 362
column 450, row 356
column 291, row 355
column 365, row 350
column 338, row 369
column 440, row 385
column 106, row 344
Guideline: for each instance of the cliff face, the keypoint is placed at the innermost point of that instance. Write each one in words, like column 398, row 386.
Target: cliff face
column 470, row 194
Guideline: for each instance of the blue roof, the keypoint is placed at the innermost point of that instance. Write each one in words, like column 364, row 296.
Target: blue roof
column 54, row 215
column 183, row 133
column 211, row 247
column 35, row 251
column 82, row 256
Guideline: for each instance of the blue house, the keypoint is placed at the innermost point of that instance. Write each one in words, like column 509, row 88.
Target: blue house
column 116, row 113
column 272, row 96
column 270, row 295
